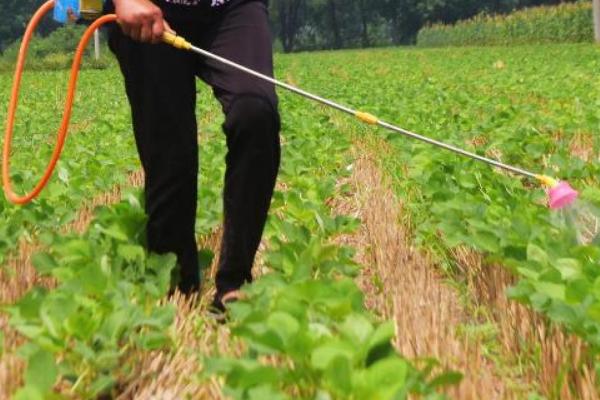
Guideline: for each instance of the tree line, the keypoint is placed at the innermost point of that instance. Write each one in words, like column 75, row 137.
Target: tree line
column 334, row 24
column 323, row 24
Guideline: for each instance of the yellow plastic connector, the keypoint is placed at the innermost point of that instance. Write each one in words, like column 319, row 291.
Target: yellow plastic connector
column 366, row 117
column 90, row 9
column 176, row 41
column 547, row 181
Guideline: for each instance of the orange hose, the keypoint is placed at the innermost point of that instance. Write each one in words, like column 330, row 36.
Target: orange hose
column 12, row 108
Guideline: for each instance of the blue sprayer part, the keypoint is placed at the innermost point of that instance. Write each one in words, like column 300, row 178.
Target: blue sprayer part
column 62, row 9
column 73, row 10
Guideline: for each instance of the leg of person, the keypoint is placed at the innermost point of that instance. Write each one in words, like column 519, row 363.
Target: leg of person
column 160, row 85
column 252, row 130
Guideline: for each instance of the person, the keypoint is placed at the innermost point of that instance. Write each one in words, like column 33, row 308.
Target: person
column 160, row 82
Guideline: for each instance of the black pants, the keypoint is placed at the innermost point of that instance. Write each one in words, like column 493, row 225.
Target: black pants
column 161, row 87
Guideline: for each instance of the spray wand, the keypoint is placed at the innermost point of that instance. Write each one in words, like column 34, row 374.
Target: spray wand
column 560, row 193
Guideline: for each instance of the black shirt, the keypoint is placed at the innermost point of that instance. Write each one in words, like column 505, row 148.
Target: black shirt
column 189, row 7
column 192, row 5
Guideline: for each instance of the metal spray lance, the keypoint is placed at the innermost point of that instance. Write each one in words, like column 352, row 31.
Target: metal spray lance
column 561, row 194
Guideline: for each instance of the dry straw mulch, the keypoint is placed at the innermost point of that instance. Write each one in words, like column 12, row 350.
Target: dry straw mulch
column 525, row 353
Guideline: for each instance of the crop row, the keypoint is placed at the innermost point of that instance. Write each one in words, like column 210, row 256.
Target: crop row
column 106, row 304
column 566, row 22
column 545, row 126
column 306, row 315
column 532, row 106
column 99, row 153
column 99, row 156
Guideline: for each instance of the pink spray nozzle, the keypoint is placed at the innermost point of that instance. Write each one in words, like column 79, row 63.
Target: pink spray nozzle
column 562, row 195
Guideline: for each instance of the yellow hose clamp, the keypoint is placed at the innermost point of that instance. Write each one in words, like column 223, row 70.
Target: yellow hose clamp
column 176, row 41
column 366, row 117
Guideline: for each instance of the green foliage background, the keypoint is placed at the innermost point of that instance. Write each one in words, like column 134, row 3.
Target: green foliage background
column 323, row 24
column 55, row 51
column 558, row 24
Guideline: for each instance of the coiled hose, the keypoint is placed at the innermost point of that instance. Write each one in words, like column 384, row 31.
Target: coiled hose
column 68, row 107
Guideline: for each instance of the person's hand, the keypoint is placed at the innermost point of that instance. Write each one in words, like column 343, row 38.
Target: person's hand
column 141, row 20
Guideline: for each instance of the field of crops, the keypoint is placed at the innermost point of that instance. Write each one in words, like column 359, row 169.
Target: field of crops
column 84, row 312
column 562, row 23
